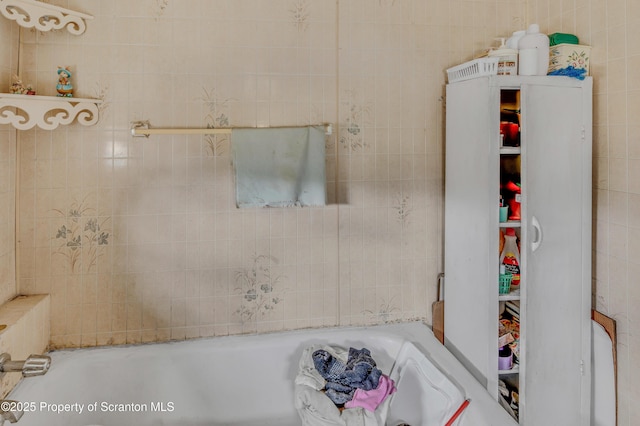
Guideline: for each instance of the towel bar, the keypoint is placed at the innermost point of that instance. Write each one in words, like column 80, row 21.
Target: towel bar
column 142, row 129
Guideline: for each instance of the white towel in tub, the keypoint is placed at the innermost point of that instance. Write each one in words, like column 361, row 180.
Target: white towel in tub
column 279, row 167
column 315, row 408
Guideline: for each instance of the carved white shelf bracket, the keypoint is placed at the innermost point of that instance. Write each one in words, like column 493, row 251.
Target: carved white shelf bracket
column 43, row 16
column 47, row 112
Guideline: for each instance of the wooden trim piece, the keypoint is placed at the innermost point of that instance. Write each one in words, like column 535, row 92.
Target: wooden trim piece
column 609, row 325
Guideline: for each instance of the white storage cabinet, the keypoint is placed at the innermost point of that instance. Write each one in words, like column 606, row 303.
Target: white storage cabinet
column 554, row 165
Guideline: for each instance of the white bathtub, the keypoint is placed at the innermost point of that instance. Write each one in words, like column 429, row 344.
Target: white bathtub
column 236, row 380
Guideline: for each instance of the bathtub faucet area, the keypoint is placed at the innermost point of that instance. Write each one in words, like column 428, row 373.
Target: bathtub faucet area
column 10, row 410
column 34, row 365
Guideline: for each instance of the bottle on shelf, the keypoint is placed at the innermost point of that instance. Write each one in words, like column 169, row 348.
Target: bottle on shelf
column 533, row 51
column 513, row 200
column 512, row 42
column 510, row 256
column 507, row 58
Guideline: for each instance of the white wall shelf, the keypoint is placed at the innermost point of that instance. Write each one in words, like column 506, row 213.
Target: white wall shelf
column 43, row 16
column 47, row 112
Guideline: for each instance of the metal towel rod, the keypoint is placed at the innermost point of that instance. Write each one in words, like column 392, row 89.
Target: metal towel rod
column 143, row 129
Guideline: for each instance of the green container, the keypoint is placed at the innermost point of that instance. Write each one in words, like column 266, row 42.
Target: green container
column 505, row 283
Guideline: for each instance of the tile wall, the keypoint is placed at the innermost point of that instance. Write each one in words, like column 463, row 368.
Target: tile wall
column 139, row 239
column 612, row 28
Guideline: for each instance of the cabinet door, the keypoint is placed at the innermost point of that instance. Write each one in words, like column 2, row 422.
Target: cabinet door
column 471, row 230
column 558, row 245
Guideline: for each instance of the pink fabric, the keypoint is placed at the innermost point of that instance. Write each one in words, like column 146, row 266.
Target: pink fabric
column 369, row 400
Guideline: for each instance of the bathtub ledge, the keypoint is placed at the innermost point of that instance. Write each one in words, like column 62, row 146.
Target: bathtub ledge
column 27, row 332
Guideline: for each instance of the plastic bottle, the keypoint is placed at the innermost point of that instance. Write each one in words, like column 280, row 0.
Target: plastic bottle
column 507, row 59
column 510, row 256
column 512, row 42
column 533, row 49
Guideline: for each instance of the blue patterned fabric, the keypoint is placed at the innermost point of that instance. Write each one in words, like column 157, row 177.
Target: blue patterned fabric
column 570, row 71
column 359, row 372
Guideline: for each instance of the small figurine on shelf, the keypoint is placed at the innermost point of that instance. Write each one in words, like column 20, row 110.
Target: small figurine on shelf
column 64, row 86
column 18, row 88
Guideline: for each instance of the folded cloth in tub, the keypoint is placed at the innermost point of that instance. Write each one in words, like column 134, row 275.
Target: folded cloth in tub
column 371, row 399
column 359, row 372
column 313, row 405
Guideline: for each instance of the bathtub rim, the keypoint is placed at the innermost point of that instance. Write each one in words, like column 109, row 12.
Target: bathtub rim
column 414, row 329
column 483, row 410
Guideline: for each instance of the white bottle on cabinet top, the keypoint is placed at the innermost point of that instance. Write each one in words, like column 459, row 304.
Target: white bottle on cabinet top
column 534, row 52
column 512, row 42
column 507, row 59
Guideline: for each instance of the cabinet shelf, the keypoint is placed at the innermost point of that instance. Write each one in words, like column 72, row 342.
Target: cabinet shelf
column 510, row 150
column 512, row 295
column 43, row 16
column 514, row 370
column 47, row 112
column 511, row 224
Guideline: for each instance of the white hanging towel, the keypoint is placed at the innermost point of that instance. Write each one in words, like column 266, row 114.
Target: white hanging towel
column 279, row 166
